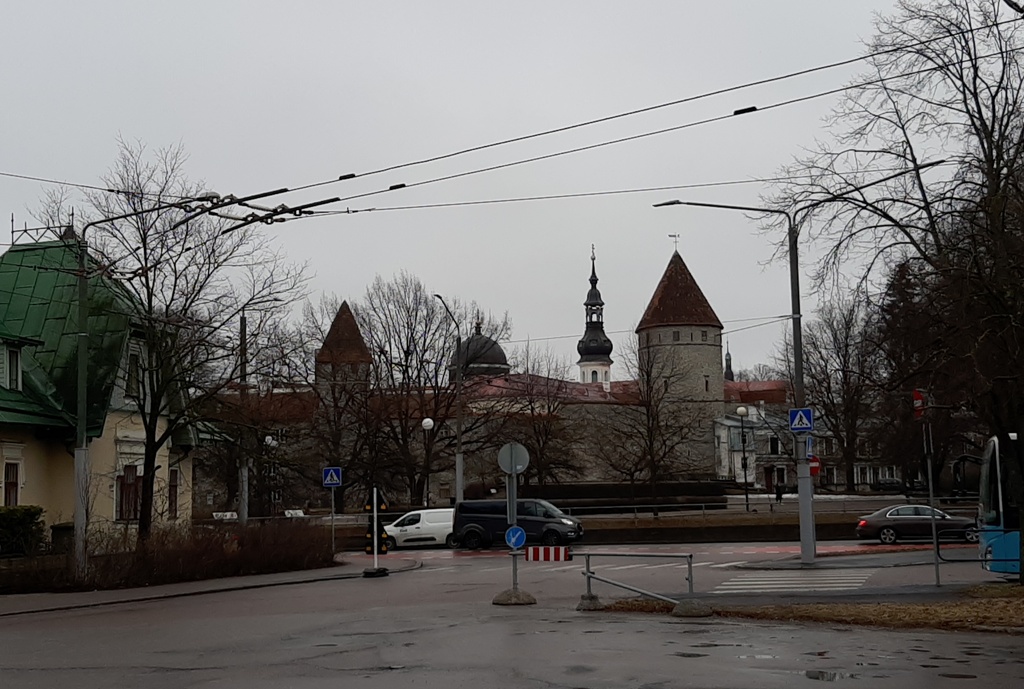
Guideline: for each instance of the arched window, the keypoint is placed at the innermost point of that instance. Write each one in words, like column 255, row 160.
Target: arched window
column 606, row 376
column 593, row 376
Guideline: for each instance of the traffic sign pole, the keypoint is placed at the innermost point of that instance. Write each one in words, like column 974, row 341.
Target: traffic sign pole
column 376, row 565
column 332, row 479
column 802, row 421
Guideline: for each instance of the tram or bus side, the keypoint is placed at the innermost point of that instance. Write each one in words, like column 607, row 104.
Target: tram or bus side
column 998, row 516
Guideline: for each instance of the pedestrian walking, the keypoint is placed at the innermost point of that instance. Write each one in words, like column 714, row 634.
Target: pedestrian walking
column 779, row 490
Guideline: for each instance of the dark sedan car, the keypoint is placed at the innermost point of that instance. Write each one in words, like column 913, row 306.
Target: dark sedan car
column 913, row 522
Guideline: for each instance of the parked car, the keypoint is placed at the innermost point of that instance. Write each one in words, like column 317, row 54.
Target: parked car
column 910, row 522
column 422, row 527
column 479, row 523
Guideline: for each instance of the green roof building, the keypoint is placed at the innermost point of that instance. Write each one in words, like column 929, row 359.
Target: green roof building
column 38, row 389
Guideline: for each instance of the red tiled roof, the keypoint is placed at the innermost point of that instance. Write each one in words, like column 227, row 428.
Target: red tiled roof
column 752, row 391
column 678, row 300
column 569, row 392
column 271, row 407
column 344, row 343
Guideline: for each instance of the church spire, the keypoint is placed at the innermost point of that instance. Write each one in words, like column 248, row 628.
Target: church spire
column 594, row 347
column 728, row 363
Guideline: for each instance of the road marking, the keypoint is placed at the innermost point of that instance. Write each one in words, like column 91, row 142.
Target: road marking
column 775, row 582
column 644, row 564
column 439, row 569
column 701, row 564
column 492, row 569
column 668, row 564
column 723, row 565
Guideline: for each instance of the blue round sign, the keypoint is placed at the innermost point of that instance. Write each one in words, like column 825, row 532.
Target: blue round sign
column 515, row 537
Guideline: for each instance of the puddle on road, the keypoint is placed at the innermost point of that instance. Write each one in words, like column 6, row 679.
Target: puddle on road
column 711, row 644
column 682, row 654
column 954, row 675
column 829, row 675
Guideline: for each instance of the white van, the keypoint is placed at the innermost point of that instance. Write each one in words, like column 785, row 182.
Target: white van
column 422, row 527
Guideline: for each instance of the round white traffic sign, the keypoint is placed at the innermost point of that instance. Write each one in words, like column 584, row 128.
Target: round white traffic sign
column 513, row 458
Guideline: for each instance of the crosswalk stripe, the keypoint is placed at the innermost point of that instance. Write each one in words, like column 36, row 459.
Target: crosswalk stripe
column 627, row 566
column 667, row 564
column 723, row 565
column 777, row 582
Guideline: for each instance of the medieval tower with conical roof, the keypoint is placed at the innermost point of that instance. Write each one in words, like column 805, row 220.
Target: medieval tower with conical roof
column 594, row 347
column 680, row 327
column 343, row 358
column 679, row 343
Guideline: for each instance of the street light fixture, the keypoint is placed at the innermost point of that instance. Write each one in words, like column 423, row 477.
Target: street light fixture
column 459, row 463
column 742, row 412
column 803, row 470
column 428, row 425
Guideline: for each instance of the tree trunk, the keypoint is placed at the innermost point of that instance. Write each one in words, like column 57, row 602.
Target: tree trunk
column 146, row 500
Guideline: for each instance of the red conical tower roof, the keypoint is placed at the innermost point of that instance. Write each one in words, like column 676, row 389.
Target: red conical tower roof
column 678, row 300
column 344, row 343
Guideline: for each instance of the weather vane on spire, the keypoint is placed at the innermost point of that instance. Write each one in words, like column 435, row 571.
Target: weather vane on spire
column 593, row 256
column 675, row 241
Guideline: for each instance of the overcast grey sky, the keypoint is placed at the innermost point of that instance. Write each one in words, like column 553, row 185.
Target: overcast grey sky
column 270, row 94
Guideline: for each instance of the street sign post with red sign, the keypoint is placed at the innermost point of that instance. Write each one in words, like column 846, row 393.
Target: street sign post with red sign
column 815, row 465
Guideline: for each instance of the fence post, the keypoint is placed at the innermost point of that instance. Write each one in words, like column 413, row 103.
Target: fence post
column 587, row 576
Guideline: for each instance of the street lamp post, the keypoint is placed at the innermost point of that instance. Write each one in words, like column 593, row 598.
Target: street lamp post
column 803, row 469
column 459, row 462
column 742, row 412
column 243, row 399
column 428, row 425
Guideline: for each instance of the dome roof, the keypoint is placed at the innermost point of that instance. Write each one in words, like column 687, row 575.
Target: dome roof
column 594, row 345
column 480, row 356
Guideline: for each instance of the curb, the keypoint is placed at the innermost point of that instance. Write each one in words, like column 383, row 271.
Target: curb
column 416, row 564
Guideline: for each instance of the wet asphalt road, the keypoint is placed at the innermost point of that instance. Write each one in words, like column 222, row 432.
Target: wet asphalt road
column 409, row 630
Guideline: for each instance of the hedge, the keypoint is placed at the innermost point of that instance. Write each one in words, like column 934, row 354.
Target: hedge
column 21, row 530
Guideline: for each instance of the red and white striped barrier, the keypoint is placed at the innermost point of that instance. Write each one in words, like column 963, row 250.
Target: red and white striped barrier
column 548, row 553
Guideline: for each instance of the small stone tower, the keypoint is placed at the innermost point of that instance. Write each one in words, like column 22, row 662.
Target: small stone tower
column 343, row 358
column 594, row 347
column 679, row 343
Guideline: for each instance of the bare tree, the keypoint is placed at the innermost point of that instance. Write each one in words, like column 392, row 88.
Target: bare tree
column 760, row 372
column 186, row 282
column 412, row 341
column 946, row 82
column 653, row 436
column 538, row 418
column 840, row 367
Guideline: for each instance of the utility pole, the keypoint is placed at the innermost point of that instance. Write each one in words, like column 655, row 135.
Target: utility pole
column 459, row 460
column 805, row 486
column 243, row 398
column 81, row 555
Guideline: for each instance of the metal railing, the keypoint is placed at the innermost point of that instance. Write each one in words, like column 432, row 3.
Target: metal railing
column 764, row 506
column 589, row 574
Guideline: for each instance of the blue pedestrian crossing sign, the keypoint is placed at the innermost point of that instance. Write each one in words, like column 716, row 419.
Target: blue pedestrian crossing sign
column 801, row 420
column 332, row 477
column 515, row 537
